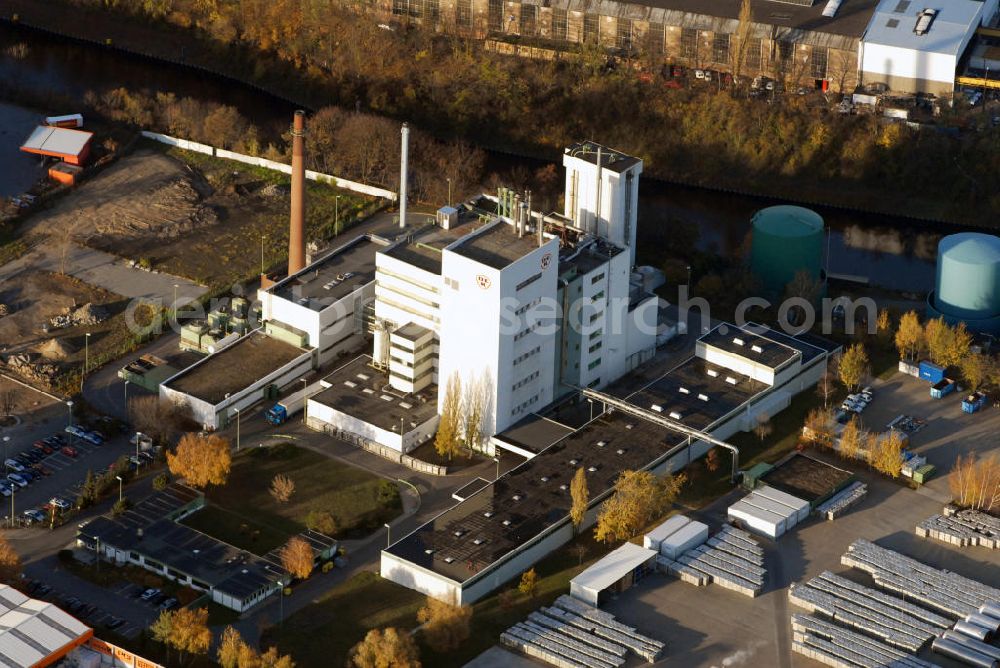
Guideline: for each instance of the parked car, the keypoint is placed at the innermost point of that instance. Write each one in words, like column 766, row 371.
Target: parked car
column 69, row 451
column 60, row 503
column 6, row 487
column 114, row 622
column 14, row 465
column 158, row 599
column 33, row 456
column 43, row 470
column 55, row 441
column 149, row 594
column 74, row 430
column 43, row 589
column 18, row 479
column 93, row 437
column 169, row 604
column 43, row 447
column 33, row 515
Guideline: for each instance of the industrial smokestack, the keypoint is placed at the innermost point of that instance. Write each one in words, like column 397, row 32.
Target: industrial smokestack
column 597, row 206
column 297, row 225
column 404, row 159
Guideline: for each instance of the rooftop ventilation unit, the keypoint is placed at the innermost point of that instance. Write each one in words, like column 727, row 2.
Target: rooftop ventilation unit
column 831, row 8
column 620, row 451
column 404, row 405
column 592, row 469
column 448, row 560
column 629, row 426
column 738, row 341
column 574, row 462
column 601, row 444
column 385, row 397
column 368, row 390
column 363, row 376
column 516, row 497
column 703, row 397
column 429, row 551
column 730, row 380
column 683, row 390
column 506, row 523
column 756, row 349
column 713, row 373
column 488, row 514
column 350, row 383
column 458, row 534
column 924, row 20
column 545, row 478
column 657, row 407
column 675, row 415
column 562, row 487
column 478, row 541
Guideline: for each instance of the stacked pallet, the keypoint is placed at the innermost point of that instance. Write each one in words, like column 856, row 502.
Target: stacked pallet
column 730, row 558
column 962, row 528
column 605, row 625
column 943, row 591
column 890, row 619
column 840, row 502
column 842, row 648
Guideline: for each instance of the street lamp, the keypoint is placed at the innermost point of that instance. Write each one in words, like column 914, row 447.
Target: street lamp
column 69, row 405
column 305, row 385
column 336, row 215
column 237, row 429
column 449, row 192
column 497, row 460
column 689, row 278
column 262, row 237
column 281, row 603
column 126, row 399
column 388, row 534
column 120, row 481
column 86, row 355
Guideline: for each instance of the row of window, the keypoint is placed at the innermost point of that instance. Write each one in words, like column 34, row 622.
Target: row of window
column 527, row 330
column 524, row 381
column 521, row 310
column 520, row 408
column 753, row 57
column 524, row 356
column 528, row 281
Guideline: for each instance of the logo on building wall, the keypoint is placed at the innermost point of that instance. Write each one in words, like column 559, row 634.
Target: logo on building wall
column 483, row 281
column 546, row 260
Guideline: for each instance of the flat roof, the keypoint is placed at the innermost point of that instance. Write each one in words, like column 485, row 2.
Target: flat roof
column 62, row 141
column 332, row 277
column 894, row 22
column 235, row 367
column 806, row 477
column 751, row 343
column 594, row 254
column 534, row 433
column 613, row 567
column 526, row 500
column 411, row 331
column 497, row 246
column 810, row 345
column 362, row 392
column 423, row 248
column 699, row 398
column 32, row 631
column 611, row 159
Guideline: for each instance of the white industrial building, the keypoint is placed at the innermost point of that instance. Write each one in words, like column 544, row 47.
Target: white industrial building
column 501, row 530
column 918, row 48
column 614, row 573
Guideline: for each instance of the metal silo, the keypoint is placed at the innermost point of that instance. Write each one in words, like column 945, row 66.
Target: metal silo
column 968, row 281
column 786, row 239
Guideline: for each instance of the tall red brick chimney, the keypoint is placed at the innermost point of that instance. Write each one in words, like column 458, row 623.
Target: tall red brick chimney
column 297, row 226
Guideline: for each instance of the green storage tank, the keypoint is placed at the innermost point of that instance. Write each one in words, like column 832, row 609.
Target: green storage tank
column 786, row 240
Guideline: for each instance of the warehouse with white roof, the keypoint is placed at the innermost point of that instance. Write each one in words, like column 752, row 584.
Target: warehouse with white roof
column 36, row 633
column 917, row 47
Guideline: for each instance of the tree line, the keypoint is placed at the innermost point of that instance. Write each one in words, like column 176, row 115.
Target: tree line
column 450, row 86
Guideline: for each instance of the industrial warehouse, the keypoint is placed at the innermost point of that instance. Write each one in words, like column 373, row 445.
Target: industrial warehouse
column 833, row 44
column 497, row 533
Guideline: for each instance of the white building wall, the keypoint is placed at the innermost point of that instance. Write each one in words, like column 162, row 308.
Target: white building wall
column 323, row 417
column 618, row 193
column 879, row 60
column 736, row 363
column 405, row 293
column 410, row 575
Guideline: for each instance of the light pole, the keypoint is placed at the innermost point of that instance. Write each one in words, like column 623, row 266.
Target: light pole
column 449, row 192
column 262, row 237
column 497, row 460
column 119, row 479
column 126, row 399
column 86, row 355
column 305, row 385
column 689, row 278
column 388, row 534
column 237, row 429
column 175, row 298
column 336, row 215
column 281, row 603
column 69, row 405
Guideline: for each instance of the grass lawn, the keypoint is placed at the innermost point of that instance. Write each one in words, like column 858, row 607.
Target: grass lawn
column 244, row 513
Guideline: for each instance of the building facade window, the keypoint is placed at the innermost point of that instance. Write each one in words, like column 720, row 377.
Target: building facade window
column 784, row 53
column 593, row 365
column 818, row 62
column 431, row 9
column 463, row 16
column 559, row 22
column 595, row 279
column 529, row 20
column 689, row 43
column 496, row 15
column 720, row 48
column 751, row 56
column 654, row 39
column 623, row 38
column 591, row 28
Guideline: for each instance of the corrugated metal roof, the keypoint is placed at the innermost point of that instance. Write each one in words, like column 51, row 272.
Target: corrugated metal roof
column 894, row 22
column 32, row 630
column 57, row 140
column 613, row 567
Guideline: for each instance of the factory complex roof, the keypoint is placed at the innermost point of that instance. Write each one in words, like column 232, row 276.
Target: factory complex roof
column 613, row 567
column 33, row 632
column 59, row 141
column 332, row 277
column 523, row 502
column 752, row 342
column 895, row 21
column 611, row 159
column 234, row 368
column 423, row 248
column 534, row 433
column 363, row 392
column 497, row 246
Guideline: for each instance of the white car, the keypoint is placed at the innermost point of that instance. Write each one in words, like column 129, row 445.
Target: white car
column 17, row 479
column 699, row 74
column 60, row 503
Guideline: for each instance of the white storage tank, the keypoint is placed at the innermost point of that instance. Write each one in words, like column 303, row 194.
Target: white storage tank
column 652, row 540
column 689, row 536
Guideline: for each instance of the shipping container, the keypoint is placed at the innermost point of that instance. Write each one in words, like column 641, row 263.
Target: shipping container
column 942, row 388
column 689, row 536
column 790, row 516
column 800, row 506
column 931, row 372
column 923, row 474
column 67, row 121
column 974, row 402
column 652, row 540
column 757, row 520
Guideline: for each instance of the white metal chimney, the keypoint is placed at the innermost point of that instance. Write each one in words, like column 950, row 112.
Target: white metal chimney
column 597, row 195
column 404, row 160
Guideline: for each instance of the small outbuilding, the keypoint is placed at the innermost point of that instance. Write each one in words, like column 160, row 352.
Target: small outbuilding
column 615, row 573
column 769, row 512
column 71, row 146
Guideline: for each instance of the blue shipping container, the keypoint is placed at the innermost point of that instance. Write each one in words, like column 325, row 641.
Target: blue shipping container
column 931, row 372
column 973, row 402
column 943, row 387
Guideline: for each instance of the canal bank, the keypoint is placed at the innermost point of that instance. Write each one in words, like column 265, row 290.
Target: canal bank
column 181, row 48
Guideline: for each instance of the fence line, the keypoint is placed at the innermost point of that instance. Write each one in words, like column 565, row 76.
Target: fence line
column 256, row 161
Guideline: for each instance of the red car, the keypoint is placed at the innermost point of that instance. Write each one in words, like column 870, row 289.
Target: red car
column 69, row 451
column 43, row 446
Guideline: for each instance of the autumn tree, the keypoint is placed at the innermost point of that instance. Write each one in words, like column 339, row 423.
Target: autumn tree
column 852, row 439
column 887, row 453
column 763, row 427
column 819, row 426
column 272, row 659
column 909, row 336
column 160, row 419
column 975, row 369
column 297, row 557
column 161, row 630
column 853, row 366
column 385, row 648
column 975, row 482
column 445, row 626
column 529, row 583
column 639, row 497
column 282, row 488
column 184, row 629
column 234, row 652
column 743, row 36
column 826, row 387
column 580, row 496
column 447, row 442
column 474, row 406
column 201, row 460
column 947, row 345
column 230, row 646
column 322, row 521
column 10, row 563
column 883, row 326
column 8, row 400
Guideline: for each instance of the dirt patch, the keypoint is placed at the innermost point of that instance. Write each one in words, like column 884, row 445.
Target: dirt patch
column 146, row 194
column 806, row 478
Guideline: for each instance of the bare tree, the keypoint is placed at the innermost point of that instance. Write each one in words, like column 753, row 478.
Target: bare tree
column 8, row 399
column 742, row 36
